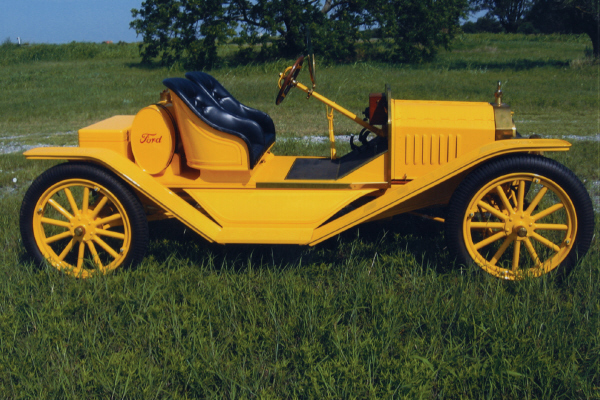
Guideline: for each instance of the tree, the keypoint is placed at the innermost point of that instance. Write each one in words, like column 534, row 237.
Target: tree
column 176, row 30
column 189, row 31
column 510, row 13
column 414, row 29
column 263, row 20
column 568, row 16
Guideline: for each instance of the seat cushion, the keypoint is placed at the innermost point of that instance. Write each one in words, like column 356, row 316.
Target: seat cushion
column 229, row 103
column 205, row 105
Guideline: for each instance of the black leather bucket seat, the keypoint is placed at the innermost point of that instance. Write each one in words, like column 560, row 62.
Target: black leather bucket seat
column 214, row 105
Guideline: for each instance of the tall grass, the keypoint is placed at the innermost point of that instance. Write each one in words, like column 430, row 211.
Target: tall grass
column 376, row 312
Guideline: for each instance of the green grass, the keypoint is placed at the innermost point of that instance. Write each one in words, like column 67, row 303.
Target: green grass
column 376, row 312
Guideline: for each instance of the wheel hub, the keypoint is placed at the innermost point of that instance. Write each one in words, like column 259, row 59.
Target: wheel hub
column 79, row 231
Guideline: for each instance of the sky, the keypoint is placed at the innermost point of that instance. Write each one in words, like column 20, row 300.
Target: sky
column 64, row 21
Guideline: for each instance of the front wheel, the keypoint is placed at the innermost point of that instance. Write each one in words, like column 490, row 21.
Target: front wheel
column 80, row 218
column 520, row 216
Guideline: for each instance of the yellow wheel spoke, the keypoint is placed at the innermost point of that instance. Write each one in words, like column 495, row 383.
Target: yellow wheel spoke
column 108, row 219
column 504, row 199
column 95, row 254
column 60, row 209
column 106, row 247
column 72, row 201
column 532, row 253
column 86, row 200
column 521, row 196
column 536, row 200
column 512, row 231
column 489, row 240
column 552, row 227
column 81, row 255
column 501, row 250
column 486, row 225
column 547, row 211
column 80, row 225
column 545, row 242
column 492, row 210
column 60, row 236
column 55, row 222
column 66, row 250
column 516, row 254
column 116, row 235
column 99, row 207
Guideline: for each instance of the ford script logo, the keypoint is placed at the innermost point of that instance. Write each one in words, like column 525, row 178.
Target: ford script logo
column 150, row 138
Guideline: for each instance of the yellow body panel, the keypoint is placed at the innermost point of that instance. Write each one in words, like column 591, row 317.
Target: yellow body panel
column 304, row 223
column 403, row 198
column 277, row 207
column 270, row 172
column 112, row 133
column 207, row 148
column 429, row 134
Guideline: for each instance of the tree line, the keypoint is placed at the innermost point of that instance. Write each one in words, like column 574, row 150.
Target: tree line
column 538, row 16
column 190, row 31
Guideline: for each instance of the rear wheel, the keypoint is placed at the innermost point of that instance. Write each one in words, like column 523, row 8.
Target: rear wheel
column 520, row 216
column 80, row 218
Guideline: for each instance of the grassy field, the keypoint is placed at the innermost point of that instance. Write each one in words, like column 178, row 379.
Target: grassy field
column 377, row 312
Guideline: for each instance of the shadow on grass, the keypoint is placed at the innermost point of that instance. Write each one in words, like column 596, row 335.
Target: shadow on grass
column 516, row 65
column 401, row 238
column 453, row 65
column 151, row 66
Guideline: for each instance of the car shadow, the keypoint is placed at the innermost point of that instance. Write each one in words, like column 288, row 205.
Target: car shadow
column 404, row 236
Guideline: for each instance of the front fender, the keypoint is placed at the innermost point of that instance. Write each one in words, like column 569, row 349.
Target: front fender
column 138, row 179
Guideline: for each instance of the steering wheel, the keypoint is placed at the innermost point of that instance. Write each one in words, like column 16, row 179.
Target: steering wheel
column 312, row 69
column 289, row 80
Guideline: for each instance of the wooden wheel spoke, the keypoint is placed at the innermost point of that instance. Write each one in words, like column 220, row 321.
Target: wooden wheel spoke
column 109, row 219
column 532, row 253
column 489, row 240
column 81, row 255
column 66, row 250
column 116, row 235
column 521, row 196
column 106, row 247
column 99, row 207
column 55, row 222
column 516, row 254
column 547, row 211
column 536, row 200
column 486, row 225
column 501, row 250
column 58, row 237
column 494, row 211
column 95, row 254
column 503, row 198
column 552, row 227
column 545, row 242
column 60, row 209
column 72, row 201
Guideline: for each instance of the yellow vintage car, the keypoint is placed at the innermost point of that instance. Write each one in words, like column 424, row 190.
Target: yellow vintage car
column 201, row 156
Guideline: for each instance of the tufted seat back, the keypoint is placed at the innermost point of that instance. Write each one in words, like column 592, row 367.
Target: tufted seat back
column 214, row 105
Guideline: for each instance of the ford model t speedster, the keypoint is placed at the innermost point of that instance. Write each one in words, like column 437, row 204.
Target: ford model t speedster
column 202, row 157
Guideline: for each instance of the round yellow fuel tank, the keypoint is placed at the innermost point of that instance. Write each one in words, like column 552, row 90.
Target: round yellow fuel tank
column 153, row 139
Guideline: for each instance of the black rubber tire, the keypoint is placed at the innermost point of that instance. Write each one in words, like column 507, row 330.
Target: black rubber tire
column 521, row 163
column 98, row 175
